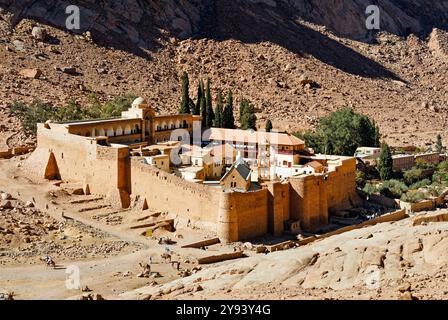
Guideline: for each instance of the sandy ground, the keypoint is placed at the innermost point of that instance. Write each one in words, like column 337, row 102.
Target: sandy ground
column 29, row 278
column 386, row 261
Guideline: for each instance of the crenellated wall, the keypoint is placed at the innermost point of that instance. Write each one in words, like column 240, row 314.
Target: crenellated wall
column 169, row 193
column 234, row 216
column 80, row 159
column 314, row 197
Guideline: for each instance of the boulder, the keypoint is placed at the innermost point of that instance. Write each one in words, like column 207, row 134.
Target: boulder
column 5, row 196
column 29, row 204
column 69, row 70
column 39, row 33
column 6, row 204
column 78, row 192
column 31, row 73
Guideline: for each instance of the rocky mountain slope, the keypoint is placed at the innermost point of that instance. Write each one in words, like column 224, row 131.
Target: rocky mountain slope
column 396, row 260
column 262, row 49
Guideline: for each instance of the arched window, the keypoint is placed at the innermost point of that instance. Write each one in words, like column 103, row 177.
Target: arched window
column 119, row 131
column 110, row 132
column 101, row 132
column 127, row 130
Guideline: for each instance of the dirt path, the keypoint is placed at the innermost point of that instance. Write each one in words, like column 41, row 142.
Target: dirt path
column 105, row 276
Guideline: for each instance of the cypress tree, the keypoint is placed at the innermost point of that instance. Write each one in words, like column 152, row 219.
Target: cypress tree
column 377, row 137
column 197, row 107
column 243, row 106
column 248, row 118
column 210, row 116
column 203, row 107
column 385, row 163
column 185, row 102
column 268, row 126
column 439, row 144
column 219, row 111
column 228, row 118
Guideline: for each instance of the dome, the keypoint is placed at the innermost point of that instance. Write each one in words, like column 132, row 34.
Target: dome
column 139, row 102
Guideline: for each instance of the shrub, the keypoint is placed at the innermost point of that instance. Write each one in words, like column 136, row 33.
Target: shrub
column 342, row 132
column 370, row 188
column 413, row 176
column 39, row 112
column 393, row 189
column 441, row 174
column 420, row 184
column 413, row 196
column 360, row 179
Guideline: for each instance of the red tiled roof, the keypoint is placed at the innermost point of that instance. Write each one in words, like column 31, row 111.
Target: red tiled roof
column 274, row 138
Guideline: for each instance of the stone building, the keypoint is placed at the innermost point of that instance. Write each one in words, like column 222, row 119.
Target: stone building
column 238, row 177
column 113, row 158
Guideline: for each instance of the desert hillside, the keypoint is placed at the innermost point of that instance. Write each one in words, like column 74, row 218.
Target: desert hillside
column 261, row 49
column 396, row 260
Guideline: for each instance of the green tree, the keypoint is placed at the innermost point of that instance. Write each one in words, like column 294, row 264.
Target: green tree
column 185, row 102
column 385, row 163
column 361, row 179
column 393, row 189
column 219, row 111
column 197, row 107
column 268, row 126
column 228, row 118
column 342, row 132
column 248, row 118
column 377, row 136
column 210, row 115
column 441, row 174
column 203, row 107
column 439, row 144
column 413, row 176
column 39, row 112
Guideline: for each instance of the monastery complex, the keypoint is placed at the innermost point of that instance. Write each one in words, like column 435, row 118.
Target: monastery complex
column 239, row 184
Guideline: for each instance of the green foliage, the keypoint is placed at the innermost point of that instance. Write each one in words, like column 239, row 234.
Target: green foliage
column 413, row 176
column 393, row 189
column 422, row 164
column 36, row 112
column 197, row 106
column 435, row 190
column 203, row 106
column 39, row 112
column 269, row 126
column 370, row 188
column 228, row 118
column 342, row 132
column 185, row 101
column 439, row 144
column 115, row 107
column 210, row 116
column 441, row 174
column 385, row 163
column 219, row 111
column 361, row 179
column 413, row 196
column 420, row 184
column 377, row 136
column 248, row 118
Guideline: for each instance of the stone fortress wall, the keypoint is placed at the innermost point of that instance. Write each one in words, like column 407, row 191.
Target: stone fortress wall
column 234, row 216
